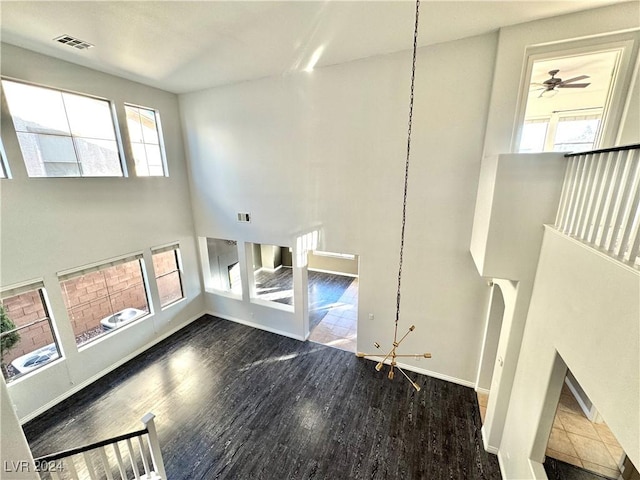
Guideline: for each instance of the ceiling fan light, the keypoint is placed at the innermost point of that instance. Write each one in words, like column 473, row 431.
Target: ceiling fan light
column 549, row 93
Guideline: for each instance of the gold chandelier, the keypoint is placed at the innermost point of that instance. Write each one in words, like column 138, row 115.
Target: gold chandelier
column 392, row 356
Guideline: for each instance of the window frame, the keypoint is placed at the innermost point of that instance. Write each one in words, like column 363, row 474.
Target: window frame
column 27, row 287
column 158, row 122
column 98, row 266
column 114, row 122
column 175, row 248
column 5, row 173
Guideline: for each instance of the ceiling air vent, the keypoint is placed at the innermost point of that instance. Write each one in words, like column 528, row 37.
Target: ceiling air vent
column 244, row 218
column 73, row 42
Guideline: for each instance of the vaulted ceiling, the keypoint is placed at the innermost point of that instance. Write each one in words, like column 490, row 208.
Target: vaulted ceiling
column 183, row 46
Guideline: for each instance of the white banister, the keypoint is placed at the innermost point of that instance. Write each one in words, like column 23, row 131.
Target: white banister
column 600, row 201
column 153, row 466
column 154, row 445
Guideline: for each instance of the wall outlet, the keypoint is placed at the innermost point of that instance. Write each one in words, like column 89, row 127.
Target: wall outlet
column 371, row 316
column 244, row 217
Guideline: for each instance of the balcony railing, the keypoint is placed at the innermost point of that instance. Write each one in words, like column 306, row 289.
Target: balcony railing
column 600, row 202
column 116, row 457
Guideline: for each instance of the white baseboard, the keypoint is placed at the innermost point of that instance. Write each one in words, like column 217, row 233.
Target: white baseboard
column 352, row 275
column 428, row 373
column 485, row 442
column 107, row 370
column 501, row 464
column 484, row 391
column 257, row 325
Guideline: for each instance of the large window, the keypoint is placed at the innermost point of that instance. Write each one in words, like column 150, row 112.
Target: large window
column 63, row 134
column 167, row 268
column 146, row 141
column 26, row 336
column 101, row 299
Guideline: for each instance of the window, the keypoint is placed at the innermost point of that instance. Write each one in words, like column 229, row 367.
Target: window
column 101, row 299
column 26, row 337
column 3, row 162
column 576, row 133
column 167, row 268
column 534, row 134
column 63, row 134
column 146, row 141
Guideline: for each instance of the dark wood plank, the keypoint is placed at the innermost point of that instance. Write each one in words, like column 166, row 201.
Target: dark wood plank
column 237, row 403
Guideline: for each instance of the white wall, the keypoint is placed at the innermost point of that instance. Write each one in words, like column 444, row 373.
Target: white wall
column 326, row 150
column 15, row 449
column 585, row 306
column 54, row 224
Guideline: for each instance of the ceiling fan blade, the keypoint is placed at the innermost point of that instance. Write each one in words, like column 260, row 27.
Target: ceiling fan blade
column 574, row 85
column 575, row 79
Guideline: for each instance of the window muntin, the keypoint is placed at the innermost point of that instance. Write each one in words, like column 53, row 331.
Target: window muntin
column 63, row 134
column 27, row 339
column 102, row 299
column 145, row 136
column 168, row 272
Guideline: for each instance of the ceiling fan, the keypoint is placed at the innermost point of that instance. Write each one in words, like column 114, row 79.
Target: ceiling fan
column 550, row 87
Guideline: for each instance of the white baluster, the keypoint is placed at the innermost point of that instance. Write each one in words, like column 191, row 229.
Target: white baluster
column 105, row 463
column 134, row 465
column 145, row 462
column 70, row 467
column 89, row 463
column 608, row 159
column 116, row 450
column 620, row 204
column 154, row 446
column 612, row 195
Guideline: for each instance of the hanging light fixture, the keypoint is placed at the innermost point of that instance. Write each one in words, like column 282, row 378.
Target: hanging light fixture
column 392, row 354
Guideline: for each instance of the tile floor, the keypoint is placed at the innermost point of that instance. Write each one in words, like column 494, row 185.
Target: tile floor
column 577, row 441
column 338, row 327
column 483, row 398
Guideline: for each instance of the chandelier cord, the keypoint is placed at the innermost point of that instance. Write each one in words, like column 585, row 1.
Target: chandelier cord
column 406, row 168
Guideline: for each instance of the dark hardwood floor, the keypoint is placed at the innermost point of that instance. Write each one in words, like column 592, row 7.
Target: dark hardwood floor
column 558, row 470
column 234, row 402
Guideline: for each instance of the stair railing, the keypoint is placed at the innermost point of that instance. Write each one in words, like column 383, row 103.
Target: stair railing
column 105, row 459
column 600, row 201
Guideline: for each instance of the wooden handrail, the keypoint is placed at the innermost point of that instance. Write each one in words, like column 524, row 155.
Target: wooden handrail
column 74, row 451
column 604, row 150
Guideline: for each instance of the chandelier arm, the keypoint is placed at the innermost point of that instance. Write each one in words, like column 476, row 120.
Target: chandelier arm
column 406, row 167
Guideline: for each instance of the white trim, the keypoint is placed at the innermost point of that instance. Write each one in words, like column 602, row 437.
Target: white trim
column 352, row 275
column 21, row 287
column 272, row 304
column 70, row 273
column 487, row 447
column 424, row 371
column 483, row 391
column 587, row 411
column 345, row 256
column 274, row 270
column 107, row 370
column 503, row 473
column 223, row 293
column 256, row 325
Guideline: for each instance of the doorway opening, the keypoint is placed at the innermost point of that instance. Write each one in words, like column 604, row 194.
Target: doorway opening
column 581, row 445
column 488, row 356
column 333, row 299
